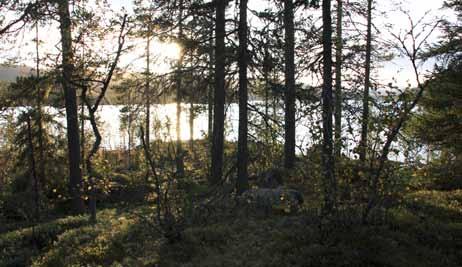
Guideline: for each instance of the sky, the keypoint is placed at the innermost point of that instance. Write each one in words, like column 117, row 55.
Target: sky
column 398, row 69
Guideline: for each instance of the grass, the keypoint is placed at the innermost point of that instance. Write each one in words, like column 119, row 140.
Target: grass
column 424, row 230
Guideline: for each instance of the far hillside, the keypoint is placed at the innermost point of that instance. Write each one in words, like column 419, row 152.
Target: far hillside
column 10, row 73
column 114, row 95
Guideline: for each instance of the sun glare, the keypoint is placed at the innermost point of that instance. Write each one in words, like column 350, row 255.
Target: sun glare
column 168, row 50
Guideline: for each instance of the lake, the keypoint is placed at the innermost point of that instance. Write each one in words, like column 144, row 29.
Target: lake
column 165, row 114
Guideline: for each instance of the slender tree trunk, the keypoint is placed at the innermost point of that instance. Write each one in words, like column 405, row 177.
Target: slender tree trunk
column 148, row 89
column 129, row 132
column 210, row 104
column 242, row 152
column 210, row 95
column 219, row 94
column 391, row 136
column 210, row 114
column 338, row 81
column 129, row 157
column 365, row 116
column 92, row 109
column 40, row 98
column 82, row 132
column 275, row 106
column 289, row 127
column 90, row 170
column 268, row 130
column 75, row 173
column 147, row 95
column 429, row 153
column 266, row 70
column 82, row 110
column 192, row 114
column 191, row 124
column 330, row 183
column 33, row 169
column 179, row 148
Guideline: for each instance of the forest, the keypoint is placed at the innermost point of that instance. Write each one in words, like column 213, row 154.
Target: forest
column 230, row 133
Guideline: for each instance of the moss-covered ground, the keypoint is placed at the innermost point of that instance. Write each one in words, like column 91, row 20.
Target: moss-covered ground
column 425, row 229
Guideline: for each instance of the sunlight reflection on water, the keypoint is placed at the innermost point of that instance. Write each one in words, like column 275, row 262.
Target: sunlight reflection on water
column 114, row 137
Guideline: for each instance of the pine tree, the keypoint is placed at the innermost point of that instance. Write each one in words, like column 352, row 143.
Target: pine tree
column 242, row 153
column 367, row 83
column 75, row 173
column 219, row 94
column 289, row 54
column 328, row 162
column 338, row 80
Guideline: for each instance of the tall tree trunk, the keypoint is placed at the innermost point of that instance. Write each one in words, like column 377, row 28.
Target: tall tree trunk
column 191, row 123
column 92, row 109
column 82, row 131
column 338, row 81
column 33, row 169
column 93, row 175
column 266, row 70
column 40, row 98
column 129, row 132
column 242, row 150
column 375, row 174
column 179, row 148
column 210, row 102
column 82, row 113
column 210, row 93
column 219, row 94
column 147, row 93
column 289, row 126
column 328, row 163
column 365, row 116
column 268, row 130
column 192, row 116
column 73, row 142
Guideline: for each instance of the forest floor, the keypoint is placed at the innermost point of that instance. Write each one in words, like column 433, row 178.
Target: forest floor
column 424, row 230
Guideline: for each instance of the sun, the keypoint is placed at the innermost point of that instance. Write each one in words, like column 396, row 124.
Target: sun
column 163, row 56
column 168, row 50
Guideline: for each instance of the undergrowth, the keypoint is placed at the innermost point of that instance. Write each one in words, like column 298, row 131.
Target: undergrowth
column 424, row 230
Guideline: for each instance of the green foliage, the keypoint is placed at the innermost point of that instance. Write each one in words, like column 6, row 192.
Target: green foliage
column 410, row 227
column 120, row 238
column 19, row 246
column 423, row 228
column 442, row 205
column 440, row 124
column 18, row 197
column 44, row 143
column 298, row 242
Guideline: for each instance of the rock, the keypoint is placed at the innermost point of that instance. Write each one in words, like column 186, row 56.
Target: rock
column 271, row 199
column 270, row 179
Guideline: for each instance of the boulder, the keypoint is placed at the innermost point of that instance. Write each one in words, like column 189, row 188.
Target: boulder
column 270, row 179
column 267, row 200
